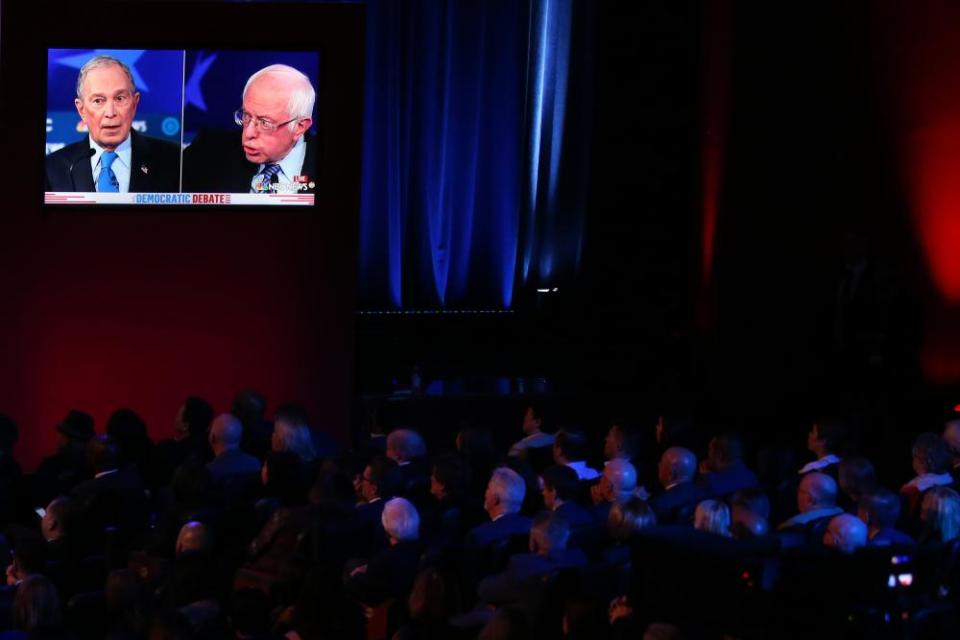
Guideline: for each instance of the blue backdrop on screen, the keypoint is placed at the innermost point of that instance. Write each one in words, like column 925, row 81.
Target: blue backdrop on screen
column 158, row 75
column 215, row 81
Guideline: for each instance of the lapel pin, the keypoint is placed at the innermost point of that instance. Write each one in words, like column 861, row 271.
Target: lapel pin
column 143, row 168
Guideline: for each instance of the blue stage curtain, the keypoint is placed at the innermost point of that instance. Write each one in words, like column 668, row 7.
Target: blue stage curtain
column 468, row 191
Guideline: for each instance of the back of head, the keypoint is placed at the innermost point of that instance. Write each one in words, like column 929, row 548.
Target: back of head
column 931, row 454
column 571, row 444
column 194, row 536
column 753, row 500
column 192, row 484
column 820, row 491
column 563, row 480
column 725, row 450
column 881, row 507
column 712, row 516
column 833, row 432
column 122, row 591
column 292, row 434
column 509, row 486
column 197, row 415
column 249, row 407
column 400, row 519
column 678, row 465
column 405, row 445
column 857, row 477
column 549, row 533
column 385, row 474
column 629, row 438
column 627, row 518
column 622, row 476
column 63, row 513
column 103, row 454
column 226, row 431
column 845, row 533
column 940, row 513
column 36, row 603
column 451, row 472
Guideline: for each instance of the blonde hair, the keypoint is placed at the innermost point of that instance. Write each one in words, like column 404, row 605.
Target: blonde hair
column 712, row 516
column 940, row 512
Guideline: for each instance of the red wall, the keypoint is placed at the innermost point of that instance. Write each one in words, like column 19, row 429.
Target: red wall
column 140, row 308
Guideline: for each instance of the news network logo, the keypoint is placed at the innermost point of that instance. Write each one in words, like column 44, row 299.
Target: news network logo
column 299, row 183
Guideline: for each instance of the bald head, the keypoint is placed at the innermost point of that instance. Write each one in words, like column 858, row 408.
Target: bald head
column 677, row 465
column 845, row 533
column 621, row 476
column 225, row 433
column 816, row 491
column 193, row 536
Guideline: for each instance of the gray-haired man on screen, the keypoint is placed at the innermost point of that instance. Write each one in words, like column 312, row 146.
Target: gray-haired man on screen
column 113, row 157
column 274, row 153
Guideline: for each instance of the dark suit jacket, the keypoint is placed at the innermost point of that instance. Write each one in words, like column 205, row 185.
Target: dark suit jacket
column 512, row 585
column 720, row 484
column 512, row 524
column 155, row 166
column 117, row 498
column 233, row 463
column 676, row 505
column 389, row 574
column 215, row 162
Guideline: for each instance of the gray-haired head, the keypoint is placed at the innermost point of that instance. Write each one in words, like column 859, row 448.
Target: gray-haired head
column 302, row 94
column 400, row 519
column 100, row 62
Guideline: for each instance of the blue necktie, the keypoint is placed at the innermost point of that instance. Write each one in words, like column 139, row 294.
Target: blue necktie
column 267, row 175
column 107, row 180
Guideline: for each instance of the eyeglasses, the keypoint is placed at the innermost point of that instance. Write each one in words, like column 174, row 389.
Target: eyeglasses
column 242, row 118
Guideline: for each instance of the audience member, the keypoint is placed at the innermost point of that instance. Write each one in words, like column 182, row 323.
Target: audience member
column 391, row 572
column 570, row 449
column 502, row 501
column 712, row 516
column 817, row 504
column 190, row 440
column 725, row 471
column 940, row 516
column 880, row 511
column 845, row 533
column 856, row 477
column 680, row 495
column 825, row 440
column 548, row 553
column 231, row 467
column 250, row 408
column 932, row 464
column 534, row 436
column 561, row 490
column 617, row 484
column 57, row 474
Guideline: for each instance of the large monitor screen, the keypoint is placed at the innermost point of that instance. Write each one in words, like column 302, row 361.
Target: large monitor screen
column 185, row 127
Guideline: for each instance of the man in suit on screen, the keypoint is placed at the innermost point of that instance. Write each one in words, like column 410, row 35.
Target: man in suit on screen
column 272, row 153
column 113, row 157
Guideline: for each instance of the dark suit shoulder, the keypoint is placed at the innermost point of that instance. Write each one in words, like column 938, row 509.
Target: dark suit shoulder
column 156, row 164
column 63, row 170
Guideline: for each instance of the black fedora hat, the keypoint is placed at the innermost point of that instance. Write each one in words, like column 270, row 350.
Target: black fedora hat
column 77, row 424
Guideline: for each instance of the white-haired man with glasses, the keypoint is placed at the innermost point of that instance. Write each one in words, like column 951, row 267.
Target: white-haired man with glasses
column 274, row 154
column 113, row 157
